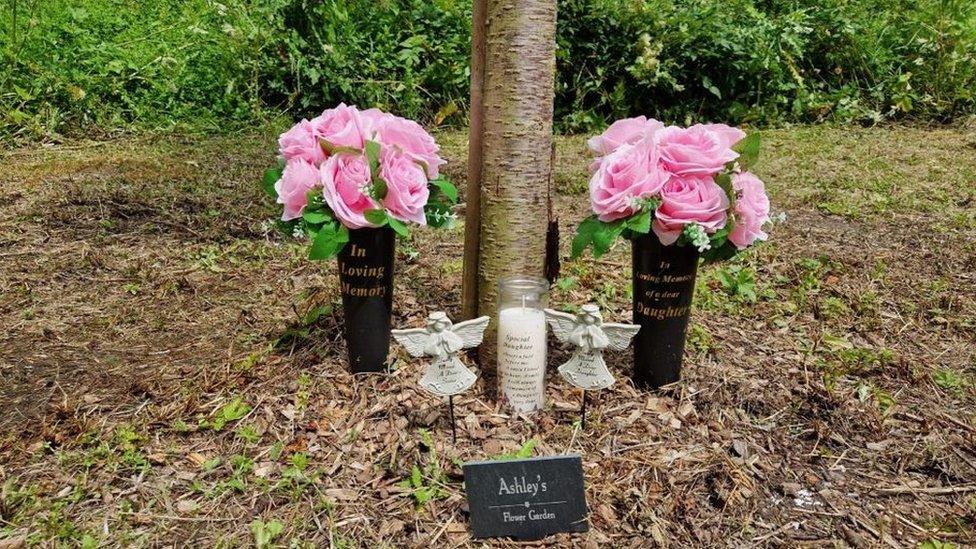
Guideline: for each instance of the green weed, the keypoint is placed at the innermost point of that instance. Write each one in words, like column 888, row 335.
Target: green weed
column 737, row 281
column 950, row 380
column 524, row 451
column 936, row 544
column 266, row 532
column 248, row 434
column 230, row 412
column 700, row 339
column 426, row 482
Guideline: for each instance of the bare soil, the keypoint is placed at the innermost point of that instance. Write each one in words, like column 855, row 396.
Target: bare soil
column 163, row 382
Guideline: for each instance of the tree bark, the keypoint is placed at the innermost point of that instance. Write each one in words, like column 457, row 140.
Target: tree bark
column 472, row 191
column 516, row 164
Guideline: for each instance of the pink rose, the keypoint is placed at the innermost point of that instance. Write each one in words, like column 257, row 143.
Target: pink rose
column 751, row 210
column 625, row 131
column 299, row 177
column 698, row 150
column 371, row 120
column 629, row 173
column 412, row 139
column 729, row 134
column 300, row 142
column 406, row 186
column 341, row 126
column 345, row 177
column 689, row 199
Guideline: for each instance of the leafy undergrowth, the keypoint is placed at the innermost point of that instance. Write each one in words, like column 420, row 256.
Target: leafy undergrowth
column 173, row 371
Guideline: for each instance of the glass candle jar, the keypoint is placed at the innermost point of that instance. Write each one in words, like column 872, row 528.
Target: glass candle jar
column 522, row 342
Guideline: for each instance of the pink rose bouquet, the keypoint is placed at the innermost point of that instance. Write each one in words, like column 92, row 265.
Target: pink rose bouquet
column 348, row 169
column 690, row 186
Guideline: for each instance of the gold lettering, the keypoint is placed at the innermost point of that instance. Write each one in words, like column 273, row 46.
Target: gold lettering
column 359, row 291
column 663, row 312
column 375, row 272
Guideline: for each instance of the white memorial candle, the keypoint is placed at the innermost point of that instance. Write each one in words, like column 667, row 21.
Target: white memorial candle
column 522, row 357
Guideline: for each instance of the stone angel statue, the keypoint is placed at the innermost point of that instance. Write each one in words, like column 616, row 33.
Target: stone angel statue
column 587, row 331
column 441, row 340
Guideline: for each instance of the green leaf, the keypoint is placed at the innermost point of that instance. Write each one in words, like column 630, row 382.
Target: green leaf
column 446, row 187
column 271, row 176
column 331, row 148
column 748, row 149
column 380, row 188
column 719, row 253
column 232, row 411
column 526, row 450
column 724, row 180
column 438, row 215
column 719, row 237
column 584, row 235
column 265, row 533
column 373, row 157
column 707, row 84
column 398, row 226
column 376, row 217
column 329, row 241
column 287, row 228
column 315, row 313
column 315, row 199
column 640, row 222
column 836, row 343
column 566, row 283
column 604, row 236
column 316, row 216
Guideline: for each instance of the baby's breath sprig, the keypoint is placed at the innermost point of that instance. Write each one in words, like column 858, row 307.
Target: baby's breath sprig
column 697, row 237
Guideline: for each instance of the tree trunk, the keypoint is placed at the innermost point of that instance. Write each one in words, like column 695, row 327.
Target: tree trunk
column 516, row 149
column 472, row 208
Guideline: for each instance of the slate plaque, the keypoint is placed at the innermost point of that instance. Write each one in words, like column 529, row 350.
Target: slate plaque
column 526, row 498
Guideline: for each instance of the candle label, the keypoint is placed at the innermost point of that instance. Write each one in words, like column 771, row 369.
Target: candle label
column 522, row 358
column 526, row 498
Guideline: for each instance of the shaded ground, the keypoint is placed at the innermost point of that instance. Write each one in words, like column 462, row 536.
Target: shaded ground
column 172, row 374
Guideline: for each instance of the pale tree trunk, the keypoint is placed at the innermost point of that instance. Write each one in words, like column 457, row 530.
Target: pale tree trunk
column 515, row 206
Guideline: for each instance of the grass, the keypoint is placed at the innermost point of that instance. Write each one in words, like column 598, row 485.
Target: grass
column 174, row 373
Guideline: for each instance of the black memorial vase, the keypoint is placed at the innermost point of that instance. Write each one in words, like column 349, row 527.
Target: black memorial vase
column 366, row 284
column 664, row 284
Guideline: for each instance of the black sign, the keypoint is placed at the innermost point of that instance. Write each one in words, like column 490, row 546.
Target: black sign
column 526, row 498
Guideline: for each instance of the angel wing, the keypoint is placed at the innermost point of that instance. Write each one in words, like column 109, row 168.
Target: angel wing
column 562, row 324
column 619, row 334
column 414, row 340
column 471, row 331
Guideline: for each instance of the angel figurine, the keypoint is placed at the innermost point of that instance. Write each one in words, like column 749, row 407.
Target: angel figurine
column 587, row 331
column 441, row 340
